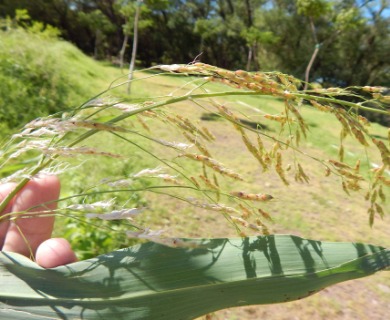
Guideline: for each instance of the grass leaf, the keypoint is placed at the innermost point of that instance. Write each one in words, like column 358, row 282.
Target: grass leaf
column 152, row 281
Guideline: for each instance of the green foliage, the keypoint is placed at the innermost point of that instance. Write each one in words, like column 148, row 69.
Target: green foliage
column 313, row 8
column 353, row 35
column 23, row 20
column 255, row 35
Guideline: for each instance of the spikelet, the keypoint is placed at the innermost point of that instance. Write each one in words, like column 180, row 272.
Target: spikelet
column 188, row 123
column 371, row 216
column 265, row 215
column 97, row 126
column 378, row 175
column 275, row 148
column 226, row 113
column 267, row 159
column 288, row 142
column 388, row 136
column 340, row 165
column 327, row 172
column 295, row 111
column 345, row 188
column 149, row 114
column 297, row 137
column 75, row 151
column 143, row 123
column 214, row 164
column 320, row 106
column 301, row 175
column 197, row 143
column 279, row 168
column 385, row 181
column 381, row 97
column 58, row 126
column 245, row 224
column 357, row 166
column 252, row 149
column 373, row 89
column 363, row 120
column 208, row 134
column 246, row 213
column 342, row 120
column 384, row 151
column 244, row 75
column 218, row 207
column 353, row 185
column 240, row 221
column 352, row 121
column 359, row 136
column 373, row 197
column 242, row 234
column 349, row 174
column 281, row 119
column 215, row 180
column 209, row 183
column 169, row 178
column 252, row 196
column 179, row 123
column 379, row 210
column 289, row 82
column 260, row 145
column 195, row 182
column 341, row 153
column 381, row 194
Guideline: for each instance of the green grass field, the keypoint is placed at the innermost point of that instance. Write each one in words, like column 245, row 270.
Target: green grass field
column 319, row 209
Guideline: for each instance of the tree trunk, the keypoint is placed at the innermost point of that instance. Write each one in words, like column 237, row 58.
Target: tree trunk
column 314, row 55
column 135, row 42
column 96, row 44
column 248, row 64
column 123, row 50
column 307, row 73
column 249, row 13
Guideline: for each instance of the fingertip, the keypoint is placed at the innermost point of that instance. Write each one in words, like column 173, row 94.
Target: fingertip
column 55, row 252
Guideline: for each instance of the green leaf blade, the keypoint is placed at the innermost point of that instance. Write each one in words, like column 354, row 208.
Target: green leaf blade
column 152, row 281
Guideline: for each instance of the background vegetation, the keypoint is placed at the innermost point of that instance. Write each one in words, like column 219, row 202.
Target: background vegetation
column 251, row 34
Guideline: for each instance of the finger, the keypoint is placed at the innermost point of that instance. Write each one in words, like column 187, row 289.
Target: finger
column 26, row 234
column 55, row 252
column 5, row 190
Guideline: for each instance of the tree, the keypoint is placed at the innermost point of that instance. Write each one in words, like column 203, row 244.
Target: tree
column 100, row 26
column 135, row 43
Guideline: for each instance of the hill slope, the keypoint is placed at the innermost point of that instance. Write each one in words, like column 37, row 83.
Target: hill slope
column 41, row 76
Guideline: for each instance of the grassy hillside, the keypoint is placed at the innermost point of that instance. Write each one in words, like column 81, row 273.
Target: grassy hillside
column 40, row 82
column 41, row 76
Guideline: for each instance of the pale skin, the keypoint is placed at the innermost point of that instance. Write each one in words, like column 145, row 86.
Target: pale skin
column 40, row 194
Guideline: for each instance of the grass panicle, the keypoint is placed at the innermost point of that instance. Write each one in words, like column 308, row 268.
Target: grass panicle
column 198, row 179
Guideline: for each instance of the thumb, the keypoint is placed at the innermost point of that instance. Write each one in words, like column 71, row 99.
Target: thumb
column 54, row 252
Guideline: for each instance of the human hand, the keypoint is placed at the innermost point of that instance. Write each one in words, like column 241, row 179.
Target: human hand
column 40, row 195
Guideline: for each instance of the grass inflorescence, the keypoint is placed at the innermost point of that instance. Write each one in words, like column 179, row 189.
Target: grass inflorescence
column 180, row 164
